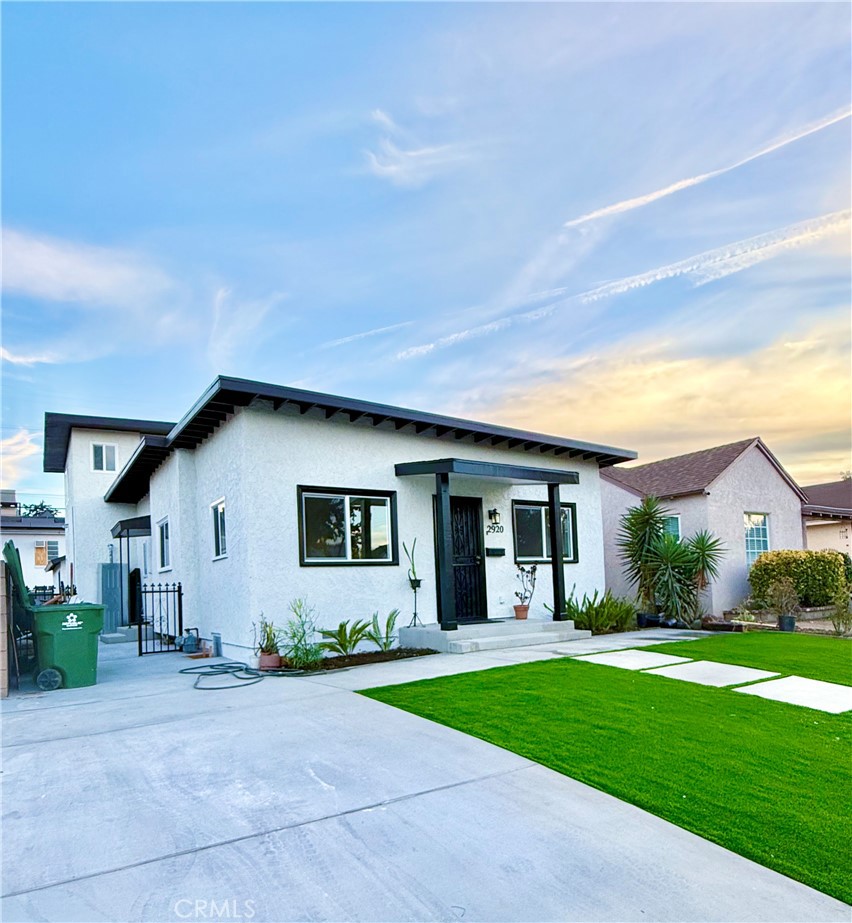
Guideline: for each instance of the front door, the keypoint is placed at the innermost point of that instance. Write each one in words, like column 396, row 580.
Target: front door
column 468, row 566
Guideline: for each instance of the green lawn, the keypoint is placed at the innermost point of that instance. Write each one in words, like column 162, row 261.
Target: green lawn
column 829, row 658
column 767, row 780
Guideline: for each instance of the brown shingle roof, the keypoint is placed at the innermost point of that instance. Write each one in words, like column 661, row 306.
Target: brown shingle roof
column 835, row 495
column 683, row 474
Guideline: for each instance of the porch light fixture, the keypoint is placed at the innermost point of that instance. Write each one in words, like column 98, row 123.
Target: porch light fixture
column 494, row 516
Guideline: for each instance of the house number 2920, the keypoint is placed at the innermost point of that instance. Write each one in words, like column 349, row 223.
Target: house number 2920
column 492, row 528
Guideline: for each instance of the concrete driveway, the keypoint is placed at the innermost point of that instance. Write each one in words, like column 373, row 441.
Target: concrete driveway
column 296, row 799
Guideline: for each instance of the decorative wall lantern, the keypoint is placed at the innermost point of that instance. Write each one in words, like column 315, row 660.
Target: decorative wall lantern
column 494, row 517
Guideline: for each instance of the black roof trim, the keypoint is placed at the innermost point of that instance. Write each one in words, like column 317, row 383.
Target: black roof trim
column 225, row 395
column 132, row 528
column 487, row 470
column 58, row 426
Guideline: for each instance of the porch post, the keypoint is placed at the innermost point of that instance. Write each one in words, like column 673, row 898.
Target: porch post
column 556, row 552
column 444, row 546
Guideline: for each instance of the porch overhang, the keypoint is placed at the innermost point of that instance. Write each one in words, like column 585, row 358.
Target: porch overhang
column 441, row 469
column 514, row 474
column 132, row 528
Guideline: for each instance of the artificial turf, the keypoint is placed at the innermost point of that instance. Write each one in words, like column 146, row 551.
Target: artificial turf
column 814, row 657
column 767, row 780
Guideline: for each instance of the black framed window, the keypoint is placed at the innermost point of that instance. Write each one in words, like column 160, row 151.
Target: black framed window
column 220, row 547
column 531, row 527
column 346, row 526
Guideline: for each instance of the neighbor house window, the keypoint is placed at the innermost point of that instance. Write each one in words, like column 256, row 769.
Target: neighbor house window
column 103, row 456
column 531, row 522
column 338, row 526
column 756, row 535
column 40, row 554
column 220, row 548
column 52, row 550
column 671, row 526
column 164, row 544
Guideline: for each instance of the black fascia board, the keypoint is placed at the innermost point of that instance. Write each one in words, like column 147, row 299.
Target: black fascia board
column 131, row 483
column 58, row 426
column 240, row 392
column 487, row 470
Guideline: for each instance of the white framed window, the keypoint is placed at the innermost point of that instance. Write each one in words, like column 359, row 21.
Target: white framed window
column 164, row 544
column 146, row 558
column 756, row 535
column 104, row 455
column 52, row 549
column 220, row 547
column 342, row 526
column 671, row 526
column 531, row 525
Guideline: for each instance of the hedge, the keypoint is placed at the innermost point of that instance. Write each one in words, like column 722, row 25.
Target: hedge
column 818, row 576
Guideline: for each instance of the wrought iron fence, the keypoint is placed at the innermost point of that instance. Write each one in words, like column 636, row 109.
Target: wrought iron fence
column 162, row 618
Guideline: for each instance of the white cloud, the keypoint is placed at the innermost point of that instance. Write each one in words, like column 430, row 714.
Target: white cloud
column 50, row 269
column 723, row 261
column 639, row 201
column 17, row 359
column 362, row 336
column 235, row 325
column 14, row 453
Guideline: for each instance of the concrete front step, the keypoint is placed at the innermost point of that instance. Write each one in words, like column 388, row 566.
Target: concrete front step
column 122, row 634
column 490, row 636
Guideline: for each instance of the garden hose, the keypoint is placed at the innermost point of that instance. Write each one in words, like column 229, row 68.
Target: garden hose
column 242, row 672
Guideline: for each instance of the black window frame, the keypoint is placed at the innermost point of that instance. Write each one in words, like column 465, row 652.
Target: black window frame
column 543, row 504
column 220, row 538
column 389, row 495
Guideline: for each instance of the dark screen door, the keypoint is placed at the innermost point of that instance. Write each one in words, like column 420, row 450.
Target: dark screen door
column 468, row 566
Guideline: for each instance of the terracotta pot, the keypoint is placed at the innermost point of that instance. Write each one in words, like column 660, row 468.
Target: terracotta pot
column 269, row 661
column 521, row 612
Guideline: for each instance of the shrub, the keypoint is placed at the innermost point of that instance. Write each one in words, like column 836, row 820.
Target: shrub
column 299, row 646
column 841, row 617
column 783, row 598
column 600, row 614
column 816, row 575
column 847, row 569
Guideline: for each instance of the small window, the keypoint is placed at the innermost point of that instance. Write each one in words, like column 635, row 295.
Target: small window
column 532, row 532
column 756, row 535
column 52, row 550
column 103, row 456
column 164, row 545
column 220, row 548
column 671, row 526
column 339, row 526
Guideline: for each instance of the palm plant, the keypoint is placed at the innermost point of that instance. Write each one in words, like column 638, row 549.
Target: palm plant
column 345, row 638
column 383, row 638
column 641, row 527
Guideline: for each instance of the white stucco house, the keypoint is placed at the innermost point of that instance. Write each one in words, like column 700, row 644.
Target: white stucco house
column 740, row 492
column 828, row 516
column 263, row 493
column 40, row 541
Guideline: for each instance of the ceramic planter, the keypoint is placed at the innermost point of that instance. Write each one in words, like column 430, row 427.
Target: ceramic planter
column 521, row 612
column 269, row 661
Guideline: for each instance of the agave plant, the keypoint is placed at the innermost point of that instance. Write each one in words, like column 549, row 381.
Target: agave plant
column 641, row 527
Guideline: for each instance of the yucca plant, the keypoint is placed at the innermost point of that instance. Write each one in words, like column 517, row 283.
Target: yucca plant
column 345, row 638
column 673, row 565
column 708, row 552
column 383, row 638
column 641, row 527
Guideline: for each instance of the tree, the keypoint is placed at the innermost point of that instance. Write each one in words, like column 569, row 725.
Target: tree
column 40, row 510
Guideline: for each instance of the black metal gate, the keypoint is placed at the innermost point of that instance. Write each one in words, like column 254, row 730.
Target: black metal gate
column 468, row 568
column 162, row 618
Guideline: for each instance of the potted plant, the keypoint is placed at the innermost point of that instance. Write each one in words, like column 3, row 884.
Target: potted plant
column 526, row 577
column 784, row 602
column 413, row 579
column 268, row 638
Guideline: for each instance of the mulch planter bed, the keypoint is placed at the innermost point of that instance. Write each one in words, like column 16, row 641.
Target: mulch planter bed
column 355, row 660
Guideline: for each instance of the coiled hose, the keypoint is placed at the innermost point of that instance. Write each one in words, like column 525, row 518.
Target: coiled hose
column 241, row 672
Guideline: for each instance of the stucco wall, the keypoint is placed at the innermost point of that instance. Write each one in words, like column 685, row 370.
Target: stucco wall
column 750, row 485
column 89, row 519
column 615, row 502
column 256, row 460
column 25, row 541
column 825, row 535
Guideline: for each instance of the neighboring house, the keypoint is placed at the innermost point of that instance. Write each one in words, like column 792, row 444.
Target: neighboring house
column 40, row 541
column 828, row 516
column 740, row 492
column 262, row 493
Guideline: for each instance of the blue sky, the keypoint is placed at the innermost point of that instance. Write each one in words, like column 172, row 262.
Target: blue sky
column 622, row 223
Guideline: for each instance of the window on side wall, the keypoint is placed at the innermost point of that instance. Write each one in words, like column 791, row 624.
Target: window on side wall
column 756, row 535
column 163, row 544
column 40, row 554
column 103, row 456
column 671, row 526
column 220, row 547
column 531, row 525
column 52, row 549
column 342, row 526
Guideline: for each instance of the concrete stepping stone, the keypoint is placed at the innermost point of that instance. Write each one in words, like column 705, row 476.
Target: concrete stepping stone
column 811, row 693
column 708, row 673
column 632, row 659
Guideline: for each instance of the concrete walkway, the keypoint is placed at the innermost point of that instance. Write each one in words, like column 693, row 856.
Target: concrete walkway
column 293, row 799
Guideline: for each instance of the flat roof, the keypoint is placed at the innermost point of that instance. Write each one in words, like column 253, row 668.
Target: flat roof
column 58, row 426
column 480, row 469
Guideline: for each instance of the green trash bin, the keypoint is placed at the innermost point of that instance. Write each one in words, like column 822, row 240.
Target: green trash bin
column 67, row 642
